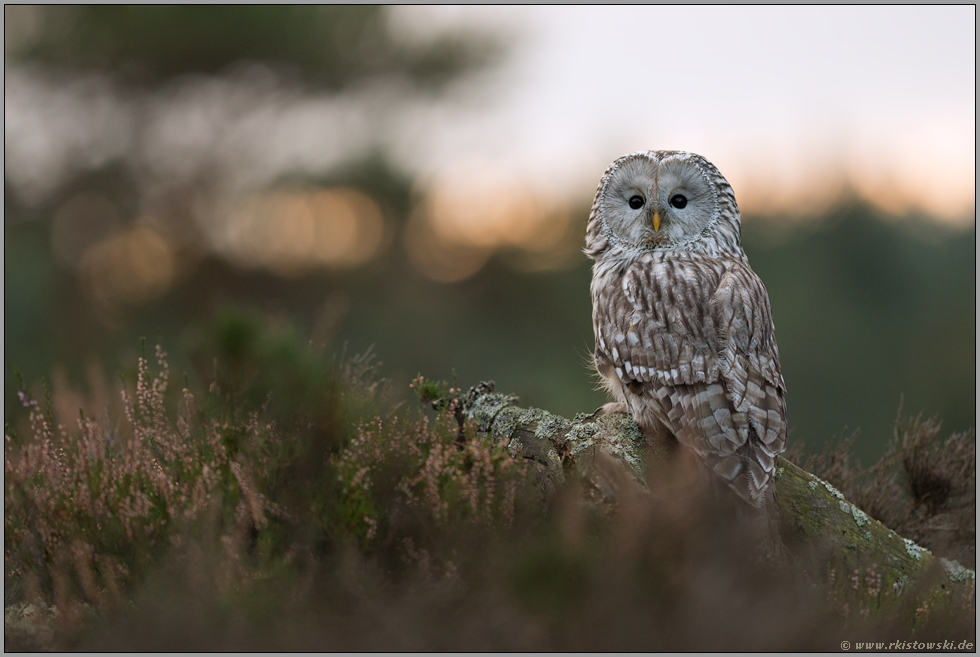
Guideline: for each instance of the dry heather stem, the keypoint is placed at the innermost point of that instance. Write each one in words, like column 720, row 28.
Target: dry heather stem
column 66, row 493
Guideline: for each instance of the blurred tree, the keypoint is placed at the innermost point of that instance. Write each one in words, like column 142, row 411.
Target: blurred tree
column 324, row 47
column 866, row 308
column 140, row 57
column 868, row 311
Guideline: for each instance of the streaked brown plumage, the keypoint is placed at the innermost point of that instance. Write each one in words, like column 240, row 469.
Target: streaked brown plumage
column 684, row 331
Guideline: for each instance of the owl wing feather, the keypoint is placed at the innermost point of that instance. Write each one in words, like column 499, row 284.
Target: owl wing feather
column 694, row 335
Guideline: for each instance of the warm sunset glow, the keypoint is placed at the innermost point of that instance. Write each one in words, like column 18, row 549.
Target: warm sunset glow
column 291, row 232
column 468, row 213
column 795, row 126
column 929, row 167
column 493, row 210
column 439, row 257
column 887, row 115
column 133, row 267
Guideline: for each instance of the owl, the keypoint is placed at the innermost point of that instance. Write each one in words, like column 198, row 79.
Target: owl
column 684, row 338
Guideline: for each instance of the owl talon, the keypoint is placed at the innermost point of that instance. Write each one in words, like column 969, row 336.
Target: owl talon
column 612, row 408
column 605, row 409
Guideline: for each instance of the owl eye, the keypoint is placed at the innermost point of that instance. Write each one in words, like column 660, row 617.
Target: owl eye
column 677, row 200
column 636, row 202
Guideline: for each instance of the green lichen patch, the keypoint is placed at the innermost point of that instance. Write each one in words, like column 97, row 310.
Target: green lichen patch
column 581, row 435
column 505, row 424
column 581, row 438
column 833, row 491
column 815, row 516
column 617, row 434
column 543, row 429
column 627, row 450
column 817, row 522
column 860, row 517
column 956, row 572
column 627, row 428
column 915, row 551
column 550, row 425
column 486, row 407
column 529, row 417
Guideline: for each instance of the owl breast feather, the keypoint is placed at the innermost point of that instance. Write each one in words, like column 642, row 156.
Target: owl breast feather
column 689, row 338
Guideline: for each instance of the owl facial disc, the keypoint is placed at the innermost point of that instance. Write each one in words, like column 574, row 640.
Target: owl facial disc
column 654, row 200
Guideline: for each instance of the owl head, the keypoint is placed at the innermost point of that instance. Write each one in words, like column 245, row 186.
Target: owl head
column 663, row 200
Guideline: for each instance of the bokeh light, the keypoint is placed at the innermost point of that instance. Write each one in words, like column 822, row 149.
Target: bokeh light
column 130, row 268
column 369, row 173
column 468, row 213
column 437, row 256
column 290, row 232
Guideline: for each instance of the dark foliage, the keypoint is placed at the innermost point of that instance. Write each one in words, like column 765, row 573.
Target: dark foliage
column 328, row 519
column 329, row 47
column 923, row 488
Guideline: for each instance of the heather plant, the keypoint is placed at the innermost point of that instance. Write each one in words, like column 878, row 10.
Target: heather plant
column 86, row 511
column 923, row 487
column 287, row 503
column 418, row 486
column 252, row 485
column 90, row 508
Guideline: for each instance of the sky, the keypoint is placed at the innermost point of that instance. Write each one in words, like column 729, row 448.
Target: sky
column 793, row 104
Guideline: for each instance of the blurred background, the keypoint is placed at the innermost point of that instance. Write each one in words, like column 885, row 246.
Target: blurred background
column 417, row 181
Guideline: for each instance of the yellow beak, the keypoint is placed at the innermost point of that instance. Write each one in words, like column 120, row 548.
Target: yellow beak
column 656, row 221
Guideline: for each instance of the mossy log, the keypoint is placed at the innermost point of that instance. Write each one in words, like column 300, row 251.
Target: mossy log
column 609, row 455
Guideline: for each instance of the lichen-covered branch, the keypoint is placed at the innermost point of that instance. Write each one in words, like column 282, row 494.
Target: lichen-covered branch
column 609, row 454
